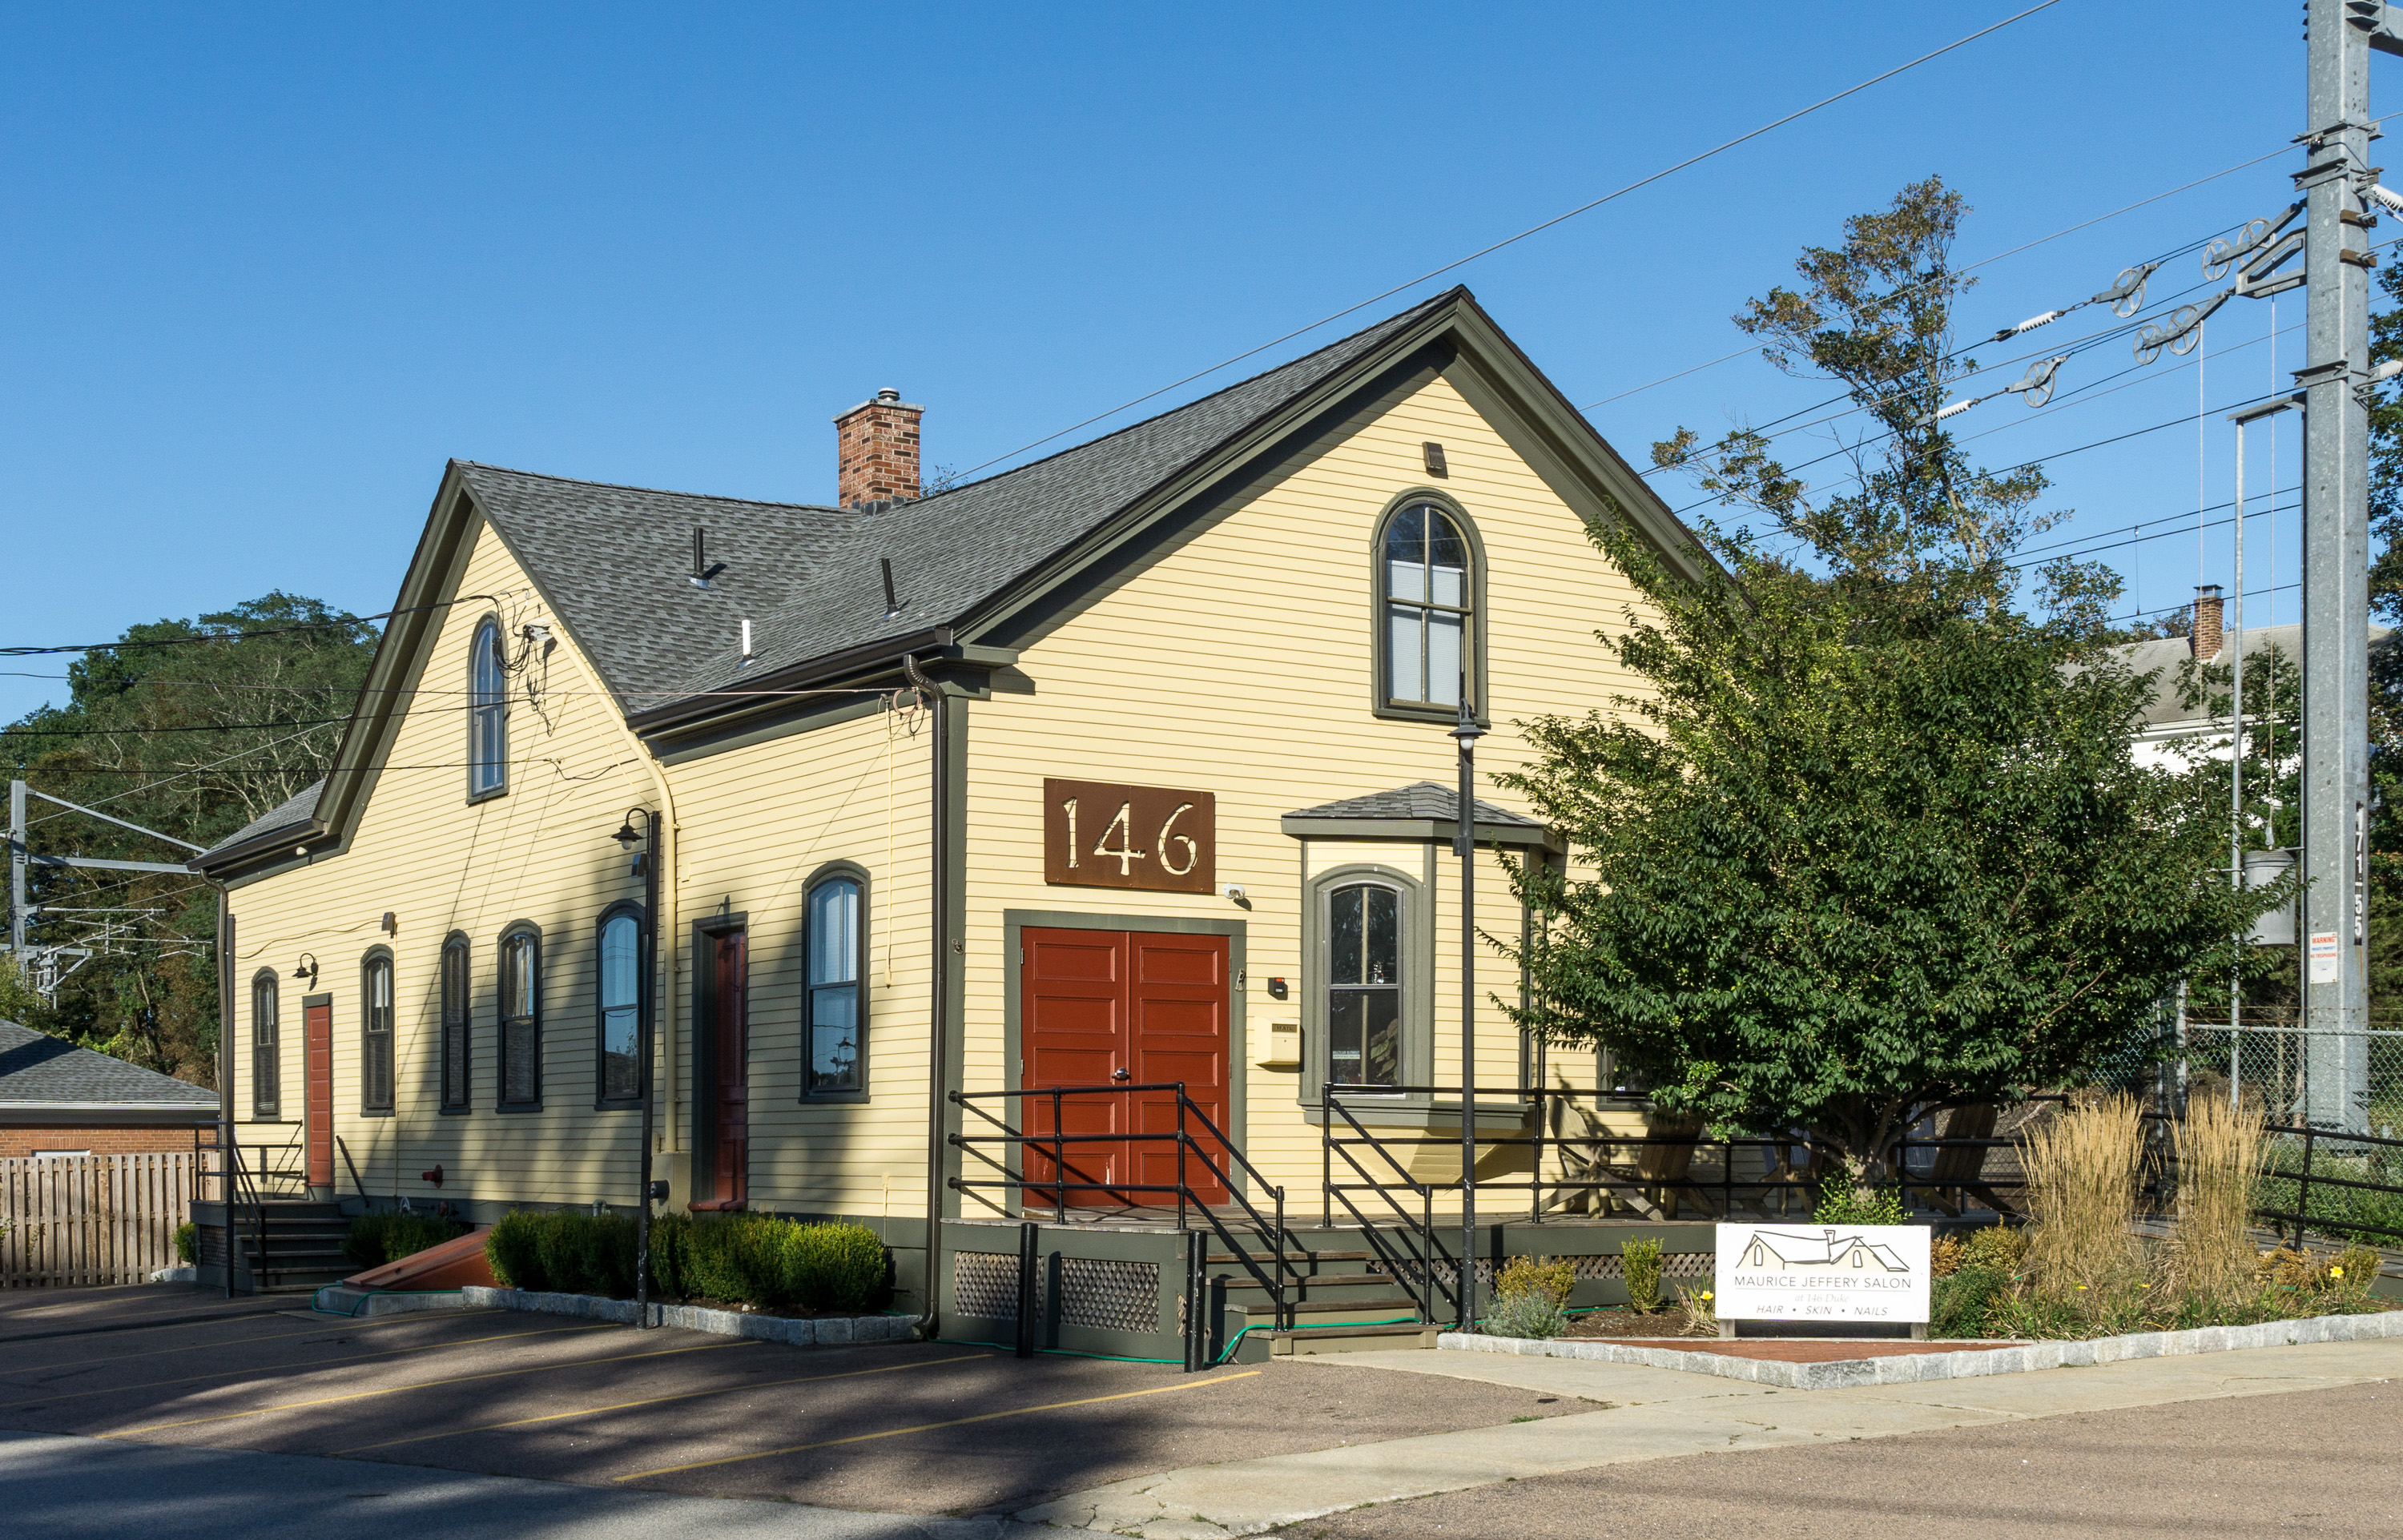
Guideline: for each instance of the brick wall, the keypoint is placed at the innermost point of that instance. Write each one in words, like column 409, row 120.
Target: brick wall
column 126, row 1140
column 876, row 451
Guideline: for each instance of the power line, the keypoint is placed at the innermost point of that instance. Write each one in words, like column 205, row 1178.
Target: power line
column 2127, row 208
column 135, row 732
column 1531, row 230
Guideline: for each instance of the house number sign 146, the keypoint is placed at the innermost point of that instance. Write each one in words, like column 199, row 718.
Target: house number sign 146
column 1097, row 834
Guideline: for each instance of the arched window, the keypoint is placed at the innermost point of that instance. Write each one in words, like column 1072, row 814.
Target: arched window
column 620, row 999
column 1364, row 985
column 520, row 1019
column 266, row 1051
column 488, row 715
column 375, row 1032
column 1428, row 638
column 455, row 1087
column 837, row 947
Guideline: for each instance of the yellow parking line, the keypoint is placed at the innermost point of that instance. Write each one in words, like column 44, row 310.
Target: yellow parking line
column 656, row 1400
column 311, row 1364
column 423, row 1384
column 204, row 1346
column 929, row 1427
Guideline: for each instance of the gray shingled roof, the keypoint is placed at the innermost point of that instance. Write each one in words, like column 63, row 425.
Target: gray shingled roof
column 1420, row 800
column 37, row 1068
column 615, row 560
column 2169, row 655
column 294, row 811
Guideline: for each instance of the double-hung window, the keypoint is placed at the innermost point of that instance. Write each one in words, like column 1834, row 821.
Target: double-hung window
column 1364, row 985
column 837, row 947
column 375, row 1034
column 520, row 1019
column 621, row 1006
column 1429, row 636
column 266, row 1051
column 455, row 996
column 488, row 715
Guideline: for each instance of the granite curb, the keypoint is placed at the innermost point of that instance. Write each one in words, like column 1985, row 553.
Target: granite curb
column 826, row 1331
column 1968, row 1364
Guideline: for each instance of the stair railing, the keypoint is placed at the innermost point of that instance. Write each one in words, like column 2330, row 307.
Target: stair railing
column 1006, row 1176
column 1418, row 1259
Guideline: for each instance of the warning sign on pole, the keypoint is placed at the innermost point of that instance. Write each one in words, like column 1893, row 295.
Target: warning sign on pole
column 2324, row 957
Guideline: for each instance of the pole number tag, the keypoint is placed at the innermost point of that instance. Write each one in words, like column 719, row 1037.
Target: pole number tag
column 1097, row 834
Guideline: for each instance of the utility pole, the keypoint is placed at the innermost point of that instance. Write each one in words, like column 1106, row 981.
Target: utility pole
column 17, row 873
column 1464, row 844
column 2335, row 183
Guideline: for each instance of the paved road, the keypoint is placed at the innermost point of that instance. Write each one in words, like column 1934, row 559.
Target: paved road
column 2320, row 1462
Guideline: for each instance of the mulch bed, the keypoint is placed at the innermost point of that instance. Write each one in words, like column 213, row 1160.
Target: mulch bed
column 1614, row 1323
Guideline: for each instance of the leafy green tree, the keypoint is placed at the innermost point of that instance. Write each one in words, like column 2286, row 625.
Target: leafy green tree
column 192, row 727
column 1867, row 840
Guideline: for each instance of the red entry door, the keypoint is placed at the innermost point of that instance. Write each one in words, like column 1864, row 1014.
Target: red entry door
column 1131, row 1007
column 317, row 1100
column 730, row 1054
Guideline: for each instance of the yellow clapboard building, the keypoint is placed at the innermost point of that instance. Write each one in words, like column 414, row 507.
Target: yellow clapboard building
column 1131, row 767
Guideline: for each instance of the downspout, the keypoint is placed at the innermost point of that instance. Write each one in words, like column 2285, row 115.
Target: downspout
column 225, row 1077
column 938, row 979
column 661, row 851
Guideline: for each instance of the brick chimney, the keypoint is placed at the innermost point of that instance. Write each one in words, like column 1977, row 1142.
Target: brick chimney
column 876, row 452
column 2205, row 638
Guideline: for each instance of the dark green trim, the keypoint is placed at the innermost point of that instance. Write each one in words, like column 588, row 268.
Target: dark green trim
column 850, row 871
column 368, row 960
column 1437, row 830
column 1013, row 954
column 705, row 931
column 1378, row 703
column 501, row 650
column 602, row 1102
column 1418, row 986
column 1222, row 485
column 272, row 1111
column 500, row 1016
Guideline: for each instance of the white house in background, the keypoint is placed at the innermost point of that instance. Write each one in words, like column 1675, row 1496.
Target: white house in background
column 2168, row 720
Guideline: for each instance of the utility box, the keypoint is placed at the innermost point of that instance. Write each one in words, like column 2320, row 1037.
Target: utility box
column 1284, row 1050
column 2263, row 867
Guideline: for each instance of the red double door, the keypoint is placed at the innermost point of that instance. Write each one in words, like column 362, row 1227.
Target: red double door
column 1098, row 1007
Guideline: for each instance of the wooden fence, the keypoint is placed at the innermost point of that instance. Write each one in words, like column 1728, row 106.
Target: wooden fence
column 92, row 1220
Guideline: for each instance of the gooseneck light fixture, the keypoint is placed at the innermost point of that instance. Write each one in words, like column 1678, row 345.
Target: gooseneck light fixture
column 649, row 1191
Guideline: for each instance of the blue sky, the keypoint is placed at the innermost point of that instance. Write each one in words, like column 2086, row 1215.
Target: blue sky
column 266, row 269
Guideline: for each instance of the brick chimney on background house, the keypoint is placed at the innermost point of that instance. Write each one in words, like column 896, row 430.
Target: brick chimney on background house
column 2205, row 638
column 876, row 452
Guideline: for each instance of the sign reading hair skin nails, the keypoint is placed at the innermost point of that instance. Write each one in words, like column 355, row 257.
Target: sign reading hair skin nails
column 1097, row 834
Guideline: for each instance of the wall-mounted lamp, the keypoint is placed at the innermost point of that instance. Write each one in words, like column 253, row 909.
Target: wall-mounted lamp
column 628, row 837
column 306, row 968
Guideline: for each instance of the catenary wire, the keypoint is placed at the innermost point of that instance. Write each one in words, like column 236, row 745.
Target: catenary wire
column 1531, row 230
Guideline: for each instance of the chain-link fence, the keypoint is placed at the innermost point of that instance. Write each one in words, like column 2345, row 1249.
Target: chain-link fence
column 2334, row 1101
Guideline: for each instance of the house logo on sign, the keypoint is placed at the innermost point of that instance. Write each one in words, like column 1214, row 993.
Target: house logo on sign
column 1825, row 1250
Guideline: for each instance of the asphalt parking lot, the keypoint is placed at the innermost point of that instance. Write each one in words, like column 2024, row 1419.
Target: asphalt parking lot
column 912, row 1428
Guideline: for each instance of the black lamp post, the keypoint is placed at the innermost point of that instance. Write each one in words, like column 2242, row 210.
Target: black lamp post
column 1465, row 733
column 648, row 863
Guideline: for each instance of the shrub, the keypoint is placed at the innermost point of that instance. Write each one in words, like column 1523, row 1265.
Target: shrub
column 1525, row 1276
column 188, row 1242
column 1536, row 1315
column 1840, row 1202
column 386, row 1236
column 745, row 1259
column 1642, row 1261
column 2083, row 1171
column 1945, row 1254
column 1961, row 1301
column 2000, row 1247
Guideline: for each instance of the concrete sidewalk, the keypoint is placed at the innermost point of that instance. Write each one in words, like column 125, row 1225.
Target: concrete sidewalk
column 1643, row 1414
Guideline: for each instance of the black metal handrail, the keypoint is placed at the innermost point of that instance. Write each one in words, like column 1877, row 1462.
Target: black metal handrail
column 1272, row 1229
column 1422, row 1226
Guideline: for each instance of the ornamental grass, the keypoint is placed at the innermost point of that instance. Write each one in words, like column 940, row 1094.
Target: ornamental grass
column 2219, row 1147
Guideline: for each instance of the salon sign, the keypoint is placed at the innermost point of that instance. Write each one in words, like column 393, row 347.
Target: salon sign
column 1806, row 1271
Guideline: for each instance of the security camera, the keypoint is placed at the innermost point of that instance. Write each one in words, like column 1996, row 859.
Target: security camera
column 1235, row 892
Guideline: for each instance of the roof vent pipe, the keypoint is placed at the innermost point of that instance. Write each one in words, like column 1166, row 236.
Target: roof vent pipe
column 747, row 641
column 891, row 605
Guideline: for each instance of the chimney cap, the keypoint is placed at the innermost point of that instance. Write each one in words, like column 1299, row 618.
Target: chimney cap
column 888, row 399
column 2207, row 590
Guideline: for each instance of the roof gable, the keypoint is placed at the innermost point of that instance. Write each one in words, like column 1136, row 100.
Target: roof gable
column 37, row 1068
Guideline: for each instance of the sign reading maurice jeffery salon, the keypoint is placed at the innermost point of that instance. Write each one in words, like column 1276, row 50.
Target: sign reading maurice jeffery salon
column 1810, row 1272
column 1097, row 834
